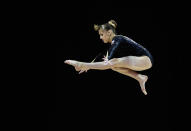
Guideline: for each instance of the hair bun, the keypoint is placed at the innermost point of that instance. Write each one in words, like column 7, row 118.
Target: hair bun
column 96, row 27
column 112, row 23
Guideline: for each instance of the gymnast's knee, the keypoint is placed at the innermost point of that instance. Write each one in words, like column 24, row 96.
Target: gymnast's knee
column 114, row 61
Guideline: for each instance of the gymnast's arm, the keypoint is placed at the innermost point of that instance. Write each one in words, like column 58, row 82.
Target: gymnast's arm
column 113, row 50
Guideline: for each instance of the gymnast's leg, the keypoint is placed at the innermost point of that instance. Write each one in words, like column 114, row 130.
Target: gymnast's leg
column 128, row 72
column 96, row 65
column 130, row 62
column 125, row 65
column 136, row 63
column 128, row 65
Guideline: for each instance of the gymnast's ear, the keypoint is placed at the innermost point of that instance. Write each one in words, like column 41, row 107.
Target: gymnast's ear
column 109, row 32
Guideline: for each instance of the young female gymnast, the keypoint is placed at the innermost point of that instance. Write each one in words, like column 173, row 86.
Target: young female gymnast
column 124, row 55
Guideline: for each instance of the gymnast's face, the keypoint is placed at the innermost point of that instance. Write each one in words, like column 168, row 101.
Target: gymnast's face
column 104, row 35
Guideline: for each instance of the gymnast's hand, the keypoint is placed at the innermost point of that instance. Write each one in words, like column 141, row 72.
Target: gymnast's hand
column 81, row 71
column 106, row 61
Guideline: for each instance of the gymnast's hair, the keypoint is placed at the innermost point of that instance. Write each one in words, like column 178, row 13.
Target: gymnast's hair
column 111, row 25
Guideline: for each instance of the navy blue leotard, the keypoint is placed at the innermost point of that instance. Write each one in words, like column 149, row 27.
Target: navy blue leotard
column 122, row 46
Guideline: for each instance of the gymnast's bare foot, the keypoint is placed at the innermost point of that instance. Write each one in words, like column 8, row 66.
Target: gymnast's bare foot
column 142, row 81
column 78, row 65
column 71, row 62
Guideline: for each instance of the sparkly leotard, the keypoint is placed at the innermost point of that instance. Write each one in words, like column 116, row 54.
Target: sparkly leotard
column 123, row 46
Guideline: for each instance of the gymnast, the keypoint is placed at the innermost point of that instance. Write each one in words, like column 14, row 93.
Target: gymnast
column 124, row 55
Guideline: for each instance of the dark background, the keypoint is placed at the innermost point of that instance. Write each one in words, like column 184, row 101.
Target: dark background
column 107, row 99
